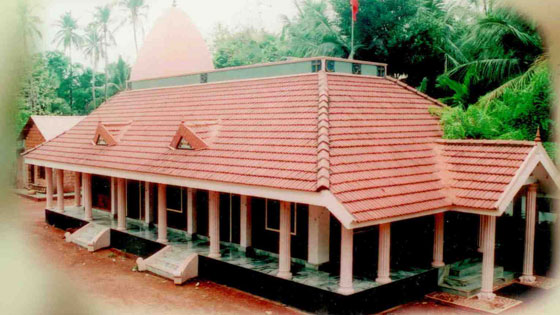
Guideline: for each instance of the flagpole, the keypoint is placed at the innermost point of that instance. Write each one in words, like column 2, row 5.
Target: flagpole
column 352, row 38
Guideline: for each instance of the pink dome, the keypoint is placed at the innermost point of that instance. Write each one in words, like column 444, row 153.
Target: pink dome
column 173, row 47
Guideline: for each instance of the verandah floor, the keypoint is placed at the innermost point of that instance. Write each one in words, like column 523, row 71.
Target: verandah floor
column 267, row 264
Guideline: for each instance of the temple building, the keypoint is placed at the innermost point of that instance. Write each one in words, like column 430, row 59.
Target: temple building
column 320, row 182
column 37, row 130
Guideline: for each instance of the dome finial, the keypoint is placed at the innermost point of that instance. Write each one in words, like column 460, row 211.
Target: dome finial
column 174, row 3
column 538, row 135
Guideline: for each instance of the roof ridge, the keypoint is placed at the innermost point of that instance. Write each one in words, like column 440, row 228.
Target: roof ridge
column 323, row 139
column 410, row 88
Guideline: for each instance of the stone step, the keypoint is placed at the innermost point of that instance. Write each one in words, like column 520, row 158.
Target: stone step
column 472, row 278
column 177, row 263
column 466, row 269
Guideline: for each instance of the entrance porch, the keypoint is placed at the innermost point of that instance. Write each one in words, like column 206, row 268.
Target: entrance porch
column 255, row 271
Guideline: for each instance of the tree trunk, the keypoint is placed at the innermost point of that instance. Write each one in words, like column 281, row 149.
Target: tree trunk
column 134, row 30
column 71, row 79
column 93, row 80
column 106, row 61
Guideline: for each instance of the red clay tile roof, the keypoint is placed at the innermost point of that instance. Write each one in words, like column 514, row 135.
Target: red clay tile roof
column 369, row 140
column 479, row 171
column 52, row 126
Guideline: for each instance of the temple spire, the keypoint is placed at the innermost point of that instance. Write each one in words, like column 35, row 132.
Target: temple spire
column 538, row 135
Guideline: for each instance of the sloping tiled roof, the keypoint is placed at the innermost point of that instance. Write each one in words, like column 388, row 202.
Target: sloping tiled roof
column 52, row 126
column 480, row 170
column 369, row 140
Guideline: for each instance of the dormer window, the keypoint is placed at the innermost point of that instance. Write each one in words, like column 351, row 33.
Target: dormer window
column 109, row 134
column 186, row 139
column 184, row 145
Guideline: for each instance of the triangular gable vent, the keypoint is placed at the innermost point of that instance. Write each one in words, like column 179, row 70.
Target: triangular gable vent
column 103, row 137
column 186, row 139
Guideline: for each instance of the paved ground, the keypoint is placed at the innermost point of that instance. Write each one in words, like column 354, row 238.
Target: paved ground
column 106, row 276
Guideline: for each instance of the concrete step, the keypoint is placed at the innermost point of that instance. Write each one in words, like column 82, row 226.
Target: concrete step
column 466, row 269
column 177, row 263
column 472, row 278
column 90, row 236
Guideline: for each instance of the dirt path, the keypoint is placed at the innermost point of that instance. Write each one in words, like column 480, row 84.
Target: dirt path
column 106, row 277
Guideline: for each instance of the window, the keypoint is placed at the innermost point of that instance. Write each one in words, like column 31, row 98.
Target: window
column 184, row 145
column 101, row 141
column 272, row 216
column 356, row 68
column 41, row 172
column 174, row 196
column 381, row 71
column 315, row 65
column 203, row 77
column 330, row 66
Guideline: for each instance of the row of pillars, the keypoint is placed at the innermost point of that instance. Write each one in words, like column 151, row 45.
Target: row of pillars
column 384, row 254
column 486, row 237
column 118, row 202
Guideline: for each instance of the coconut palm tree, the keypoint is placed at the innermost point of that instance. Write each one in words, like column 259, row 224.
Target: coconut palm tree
column 312, row 32
column 104, row 19
column 136, row 10
column 29, row 25
column 68, row 37
column 92, row 49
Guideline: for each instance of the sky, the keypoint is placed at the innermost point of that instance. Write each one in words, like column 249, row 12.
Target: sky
column 206, row 14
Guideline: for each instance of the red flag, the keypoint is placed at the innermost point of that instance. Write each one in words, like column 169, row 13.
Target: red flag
column 355, row 6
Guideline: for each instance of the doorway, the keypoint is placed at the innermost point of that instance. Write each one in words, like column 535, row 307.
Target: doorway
column 134, row 199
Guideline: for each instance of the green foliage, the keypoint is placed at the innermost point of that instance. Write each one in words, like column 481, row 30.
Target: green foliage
column 248, row 46
column 314, row 32
column 515, row 115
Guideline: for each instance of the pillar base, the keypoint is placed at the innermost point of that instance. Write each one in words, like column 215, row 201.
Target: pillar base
column 163, row 241
column 88, row 219
column 214, row 255
column 383, row 280
column 122, row 229
column 345, row 290
column 284, row 275
column 486, row 296
column 527, row 279
column 438, row 264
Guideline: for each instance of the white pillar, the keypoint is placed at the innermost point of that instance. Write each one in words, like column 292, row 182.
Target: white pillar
column 438, row 240
column 60, row 190
column 87, row 196
column 191, row 211
column 345, row 285
column 489, row 237
column 50, row 188
column 530, row 221
column 83, row 189
column 162, row 213
column 77, row 189
column 114, row 197
column 318, row 235
column 245, row 239
column 121, row 200
column 480, row 233
column 284, row 252
column 148, row 214
column 384, row 255
column 214, row 223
